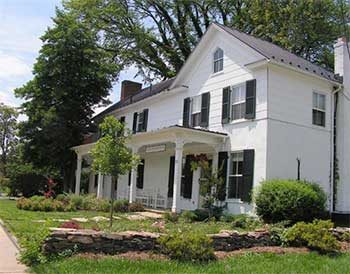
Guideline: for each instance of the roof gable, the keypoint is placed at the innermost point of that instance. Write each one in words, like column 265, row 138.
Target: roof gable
column 280, row 55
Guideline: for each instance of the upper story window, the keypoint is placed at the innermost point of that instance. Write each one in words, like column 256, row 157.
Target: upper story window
column 218, row 60
column 238, row 97
column 239, row 102
column 196, row 110
column 140, row 121
column 318, row 109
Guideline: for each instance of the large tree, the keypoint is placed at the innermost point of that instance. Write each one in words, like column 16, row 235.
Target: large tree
column 8, row 129
column 157, row 36
column 71, row 75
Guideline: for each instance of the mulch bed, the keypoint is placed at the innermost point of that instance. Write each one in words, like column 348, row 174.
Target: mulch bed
column 140, row 256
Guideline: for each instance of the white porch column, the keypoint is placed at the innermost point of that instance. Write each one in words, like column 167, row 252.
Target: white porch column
column 132, row 192
column 78, row 174
column 215, row 164
column 100, row 186
column 177, row 174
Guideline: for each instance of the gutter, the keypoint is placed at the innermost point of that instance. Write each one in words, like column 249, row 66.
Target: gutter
column 333, row 149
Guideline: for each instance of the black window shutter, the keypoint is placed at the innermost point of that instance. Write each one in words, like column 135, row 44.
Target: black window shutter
column 122, row 119
column 186, row 112
column 222, row 168
column 205, row 109
column 187, row 178
column 140, row 174
column 145, row 119
column 226, row 103
column 171, row 177
column 250, row 99
column 248, row 175
column 134, row 123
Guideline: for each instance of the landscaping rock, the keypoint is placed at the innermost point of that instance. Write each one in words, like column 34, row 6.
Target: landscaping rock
column 113, row 243
column 60, row 220
column 99, row 219
column 136, row 217
column 159, row 224
column 80, row 220
column 38, row 221
column 151, row 215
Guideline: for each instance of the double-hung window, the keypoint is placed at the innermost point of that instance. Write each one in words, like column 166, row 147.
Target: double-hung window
column 196, row 111
column 218, row 60
column 318, row 109
column 238, row 102
column 235, row 175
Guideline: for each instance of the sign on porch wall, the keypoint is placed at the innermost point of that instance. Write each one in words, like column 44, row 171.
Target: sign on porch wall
column 158, row 148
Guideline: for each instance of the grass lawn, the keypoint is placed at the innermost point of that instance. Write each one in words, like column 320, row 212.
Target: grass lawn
column 24, row 224
column 257, row 264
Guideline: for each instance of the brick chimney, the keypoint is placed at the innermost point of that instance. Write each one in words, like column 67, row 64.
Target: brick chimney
column 341, row 57
column 129, row 88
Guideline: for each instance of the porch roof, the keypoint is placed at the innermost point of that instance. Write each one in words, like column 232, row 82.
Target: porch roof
column 174, row 133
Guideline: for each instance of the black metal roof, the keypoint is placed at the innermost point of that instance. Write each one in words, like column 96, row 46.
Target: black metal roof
column 274, row 52
column 142, row 94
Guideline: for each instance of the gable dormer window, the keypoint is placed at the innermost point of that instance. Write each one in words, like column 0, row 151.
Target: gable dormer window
column 218, row 60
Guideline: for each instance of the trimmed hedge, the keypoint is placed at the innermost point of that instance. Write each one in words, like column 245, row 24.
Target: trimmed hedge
column 75, row 202
column 290, row 200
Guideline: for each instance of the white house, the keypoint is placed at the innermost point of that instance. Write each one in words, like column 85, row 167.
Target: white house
column 243, row 102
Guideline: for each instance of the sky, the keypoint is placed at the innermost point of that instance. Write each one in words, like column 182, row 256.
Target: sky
column 22, row 22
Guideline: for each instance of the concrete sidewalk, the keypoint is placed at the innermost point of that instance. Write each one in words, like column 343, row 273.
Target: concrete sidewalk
column 8, row 255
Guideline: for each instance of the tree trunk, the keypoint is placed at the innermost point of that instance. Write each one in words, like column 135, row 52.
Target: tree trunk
column 113, row 183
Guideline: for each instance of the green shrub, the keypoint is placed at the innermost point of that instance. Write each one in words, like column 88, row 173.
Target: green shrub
column 89, row 202
column 316, row 235
column 201, row 215
column 171, row 216
column 103, row 205
column 40, row 203
column 245, row 221
column 187, row 246
column 188, row 216
column 135, row 207
column 64, row 198
column 77, row 201
column 121, row 205
column 31, row 253
column 280, row 200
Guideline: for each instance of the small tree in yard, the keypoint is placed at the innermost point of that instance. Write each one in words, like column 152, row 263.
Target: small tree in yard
column 211, row 183
column 111, row 156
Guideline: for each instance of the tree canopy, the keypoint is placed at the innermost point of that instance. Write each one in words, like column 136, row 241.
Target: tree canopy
column 71, row 75
column 8, row 132
column 157, row 36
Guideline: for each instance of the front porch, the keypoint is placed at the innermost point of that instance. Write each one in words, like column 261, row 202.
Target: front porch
column 165, row 179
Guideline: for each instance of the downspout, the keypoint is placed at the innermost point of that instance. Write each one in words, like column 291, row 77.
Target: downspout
column 334, row 161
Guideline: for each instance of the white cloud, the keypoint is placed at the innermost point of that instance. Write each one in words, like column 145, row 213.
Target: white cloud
column 12, row 66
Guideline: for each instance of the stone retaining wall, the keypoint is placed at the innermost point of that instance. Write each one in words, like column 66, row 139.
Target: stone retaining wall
column 112, row 243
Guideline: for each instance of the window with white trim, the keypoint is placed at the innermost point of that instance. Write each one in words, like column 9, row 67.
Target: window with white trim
column 140, row 119
column 196, row 103
column 238, row 102
column 218, row 60
column 318, row 109
column 235, row 175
